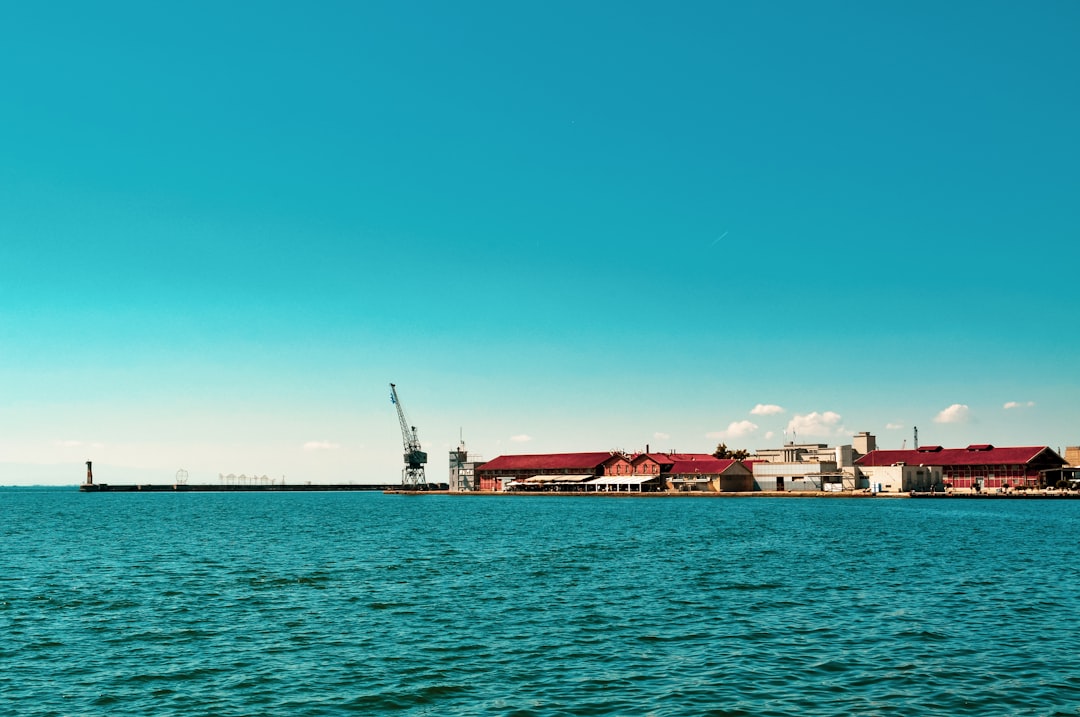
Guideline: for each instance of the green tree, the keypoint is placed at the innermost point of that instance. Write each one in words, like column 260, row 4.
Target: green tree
column 722, row 451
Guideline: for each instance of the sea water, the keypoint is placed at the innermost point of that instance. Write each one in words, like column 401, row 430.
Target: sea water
column 363, row 603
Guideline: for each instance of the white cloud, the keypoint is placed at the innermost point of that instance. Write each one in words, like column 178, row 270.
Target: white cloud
column 661, row 436
column 893, row 426
column 740, row 429
column 736, row 429
column 1018, row 404
column 521, row 438
column 320, row 446
column 956, row 413
column 815, row 424
column 769, row 435
column 766, row 409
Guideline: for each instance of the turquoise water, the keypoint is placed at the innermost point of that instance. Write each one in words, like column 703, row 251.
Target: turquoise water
column 362, row 603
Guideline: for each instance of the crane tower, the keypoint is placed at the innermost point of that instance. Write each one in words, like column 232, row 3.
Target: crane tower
column 412, row 475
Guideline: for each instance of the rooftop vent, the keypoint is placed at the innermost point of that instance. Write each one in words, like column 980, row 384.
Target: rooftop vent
column 980, row 447
column 928, row 449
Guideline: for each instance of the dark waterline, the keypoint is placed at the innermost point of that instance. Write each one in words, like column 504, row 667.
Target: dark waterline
column 362, row 603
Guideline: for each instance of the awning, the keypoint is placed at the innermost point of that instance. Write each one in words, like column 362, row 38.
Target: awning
column 679, row 479
column 554, row 478
column 621, row 480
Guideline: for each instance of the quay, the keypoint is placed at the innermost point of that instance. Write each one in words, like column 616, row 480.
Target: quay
column 700, row 495
column 1010, row 495
column 705, row 495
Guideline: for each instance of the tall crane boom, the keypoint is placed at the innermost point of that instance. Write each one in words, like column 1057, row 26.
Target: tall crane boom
column 412, row 475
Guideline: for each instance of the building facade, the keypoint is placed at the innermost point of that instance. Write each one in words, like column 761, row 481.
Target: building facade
column 798, row 476
column 979, row 466
column 1072, row 456
column 703, row 472
column 563, row 472
column 614, row 471
column 904, row 478
column 811, row 466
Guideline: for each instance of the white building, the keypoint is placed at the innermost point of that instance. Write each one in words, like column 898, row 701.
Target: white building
column 811, row 466
column 903, row 478
column 797, row 475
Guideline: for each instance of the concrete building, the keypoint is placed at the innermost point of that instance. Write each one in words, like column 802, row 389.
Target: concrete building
column 799, row 475
column 1072, row 456
column 463, row 469
column 811, row 466
column 903, row 478
column 863, row 443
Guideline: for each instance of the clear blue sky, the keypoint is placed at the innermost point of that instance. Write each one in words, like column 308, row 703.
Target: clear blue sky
column 226, row 227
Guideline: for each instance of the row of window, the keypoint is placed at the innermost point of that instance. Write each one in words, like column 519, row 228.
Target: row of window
column 1013, row 471
column 619, row 469
column 987, row 481
column 624, row 469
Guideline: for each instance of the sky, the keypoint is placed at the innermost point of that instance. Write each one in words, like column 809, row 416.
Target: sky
column 225, row 228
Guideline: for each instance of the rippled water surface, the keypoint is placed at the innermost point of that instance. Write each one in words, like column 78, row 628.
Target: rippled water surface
column 364, row 603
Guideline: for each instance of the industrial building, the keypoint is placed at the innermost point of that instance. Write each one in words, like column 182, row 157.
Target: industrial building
column 977, row 467
column 1072, row 456
column 563, row 472
column 568, row 472
column 810, row 466
column 614, row 471
column 903, row 478
column 790, row 468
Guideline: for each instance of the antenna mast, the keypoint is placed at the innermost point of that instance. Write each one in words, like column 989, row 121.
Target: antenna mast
column 412, row 475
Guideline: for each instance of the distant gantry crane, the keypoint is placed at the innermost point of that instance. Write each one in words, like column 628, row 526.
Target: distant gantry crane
column 412, row 475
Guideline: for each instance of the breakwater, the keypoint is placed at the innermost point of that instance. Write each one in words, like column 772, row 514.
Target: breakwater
column 227, row 488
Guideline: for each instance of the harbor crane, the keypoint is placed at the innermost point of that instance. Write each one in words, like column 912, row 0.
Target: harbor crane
column 412, row 475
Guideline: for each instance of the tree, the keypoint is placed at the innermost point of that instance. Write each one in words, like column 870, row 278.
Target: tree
column 722, row 451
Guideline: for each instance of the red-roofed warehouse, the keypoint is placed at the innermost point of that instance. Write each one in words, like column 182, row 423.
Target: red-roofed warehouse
column 977, row 466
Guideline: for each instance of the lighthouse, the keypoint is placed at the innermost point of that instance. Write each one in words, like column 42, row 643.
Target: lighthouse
column 89, row 473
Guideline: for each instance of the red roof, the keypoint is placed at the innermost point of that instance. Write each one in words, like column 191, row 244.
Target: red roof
column 701, row 464
column 974, row 455
column 584, row 462
column 683, row 463
column 670, row 458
